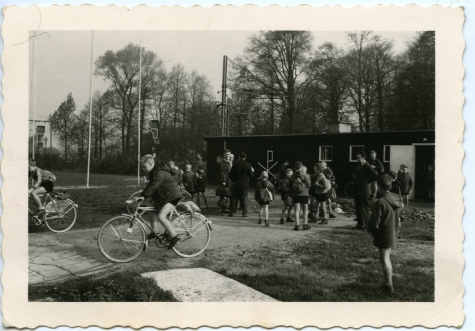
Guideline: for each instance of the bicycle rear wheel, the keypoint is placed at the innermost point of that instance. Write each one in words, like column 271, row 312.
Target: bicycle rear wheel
column 194, row 233
column 350, row 191
column 132, row 207
column 63, row 215
column 121, row 239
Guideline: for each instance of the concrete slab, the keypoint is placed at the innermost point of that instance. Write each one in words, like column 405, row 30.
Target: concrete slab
column 203, row 285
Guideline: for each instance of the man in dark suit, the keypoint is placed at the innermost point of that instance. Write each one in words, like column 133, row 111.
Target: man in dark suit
column 240, row 173
column 364, row 175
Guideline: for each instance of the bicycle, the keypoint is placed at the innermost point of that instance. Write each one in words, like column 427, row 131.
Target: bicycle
column 60, row 212
column 123, row 238
column 350, row 190
column 131, row 208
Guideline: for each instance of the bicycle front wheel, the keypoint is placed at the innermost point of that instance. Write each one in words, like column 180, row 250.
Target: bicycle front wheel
column 350, row 191
column 121, row 239
column 60, row 215
column 194, row 233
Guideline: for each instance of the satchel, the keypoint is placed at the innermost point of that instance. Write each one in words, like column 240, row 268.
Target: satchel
column 333, row 194
column 224, row 192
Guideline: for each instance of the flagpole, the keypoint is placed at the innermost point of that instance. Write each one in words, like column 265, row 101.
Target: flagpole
column 140, row 91
column 34, row 100
column 90, row 111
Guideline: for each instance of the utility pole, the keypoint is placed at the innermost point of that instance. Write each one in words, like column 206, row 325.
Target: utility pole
column 223, row 94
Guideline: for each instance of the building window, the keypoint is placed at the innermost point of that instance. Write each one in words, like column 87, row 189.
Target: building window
column 355, row 150
column 326, row 153
column 387, row 153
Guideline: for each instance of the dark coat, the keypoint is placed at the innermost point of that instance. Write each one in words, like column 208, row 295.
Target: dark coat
column 224, row 169
column 406, row 182
column 285, row 188
column 162, row 186
column 189, row 181
column 240, row 174
column 364, row 175
column 261, row 194
column 384, row 221
column 201, row 182
column 378, row 166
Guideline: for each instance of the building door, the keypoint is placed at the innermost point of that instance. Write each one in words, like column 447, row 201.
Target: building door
column 425, row 155
column 402, row 155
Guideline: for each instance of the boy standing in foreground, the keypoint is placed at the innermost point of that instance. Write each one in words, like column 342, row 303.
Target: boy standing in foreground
column 384, row 227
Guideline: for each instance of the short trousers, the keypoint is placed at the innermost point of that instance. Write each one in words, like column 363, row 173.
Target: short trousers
column 158, row 207
column 322, row 197
column 300, row 199
column 48, row 185
column 262, row 203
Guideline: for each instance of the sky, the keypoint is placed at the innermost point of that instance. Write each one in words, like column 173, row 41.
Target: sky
column 63, row 58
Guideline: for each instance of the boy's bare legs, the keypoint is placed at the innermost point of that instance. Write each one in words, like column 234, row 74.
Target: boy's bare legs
column 34, row 194
column 162, row 217
column 204, row 199
column 297, row 214
column 384, row 257
column 198, row 199
column 305, row 216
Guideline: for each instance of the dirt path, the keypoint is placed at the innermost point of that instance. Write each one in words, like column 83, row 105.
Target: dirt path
column 57, row 257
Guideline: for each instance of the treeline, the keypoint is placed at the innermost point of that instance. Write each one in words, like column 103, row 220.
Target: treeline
column 181, row 102
column 281, row 85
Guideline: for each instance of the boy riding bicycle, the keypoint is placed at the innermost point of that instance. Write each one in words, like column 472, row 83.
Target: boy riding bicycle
column 43, row 182
column 165, row 191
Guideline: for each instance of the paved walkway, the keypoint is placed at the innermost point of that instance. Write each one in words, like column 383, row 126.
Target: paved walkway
column 55, row 257
column 203, row 285
column 79, row 187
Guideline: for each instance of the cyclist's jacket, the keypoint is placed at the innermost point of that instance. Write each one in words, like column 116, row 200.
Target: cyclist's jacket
column 40, row 176
column 162, row 186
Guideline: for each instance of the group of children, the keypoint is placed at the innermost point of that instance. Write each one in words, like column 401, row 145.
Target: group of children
column 298, row 190
column 195, row 183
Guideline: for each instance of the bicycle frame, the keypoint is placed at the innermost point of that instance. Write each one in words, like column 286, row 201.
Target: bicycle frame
column 138, row 216
column 46, row 198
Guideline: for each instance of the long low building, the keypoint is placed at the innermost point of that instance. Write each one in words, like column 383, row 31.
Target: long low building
column 416, row 149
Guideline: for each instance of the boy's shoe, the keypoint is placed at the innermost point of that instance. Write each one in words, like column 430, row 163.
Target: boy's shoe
column 231, row 215
column 312, row 220
column 266, row 222
column 151, row 235
column 323, row 221
column 306, row 227
column 387, row 288
column 296, row 228
column 332, row 216
column 173, row 242
column 290, row 220
column 259, row 222
column 281, row 221
column 37, row 221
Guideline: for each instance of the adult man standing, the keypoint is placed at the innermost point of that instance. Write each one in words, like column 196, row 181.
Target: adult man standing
column 364, row 175
column 224, row 168
column 240, row 174
column 378, row 166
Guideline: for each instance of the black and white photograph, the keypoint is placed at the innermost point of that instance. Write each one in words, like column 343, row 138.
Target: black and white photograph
column 257, row 166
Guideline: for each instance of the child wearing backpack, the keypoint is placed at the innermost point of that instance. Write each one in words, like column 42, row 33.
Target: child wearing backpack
column 285, row 190
column 42, row 183
column 264, row 194
column 201, row 182
column 300, row 183
column 322, row 186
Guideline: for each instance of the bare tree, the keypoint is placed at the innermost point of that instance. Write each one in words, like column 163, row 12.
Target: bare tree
column 62, row 122
column 275, row 63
